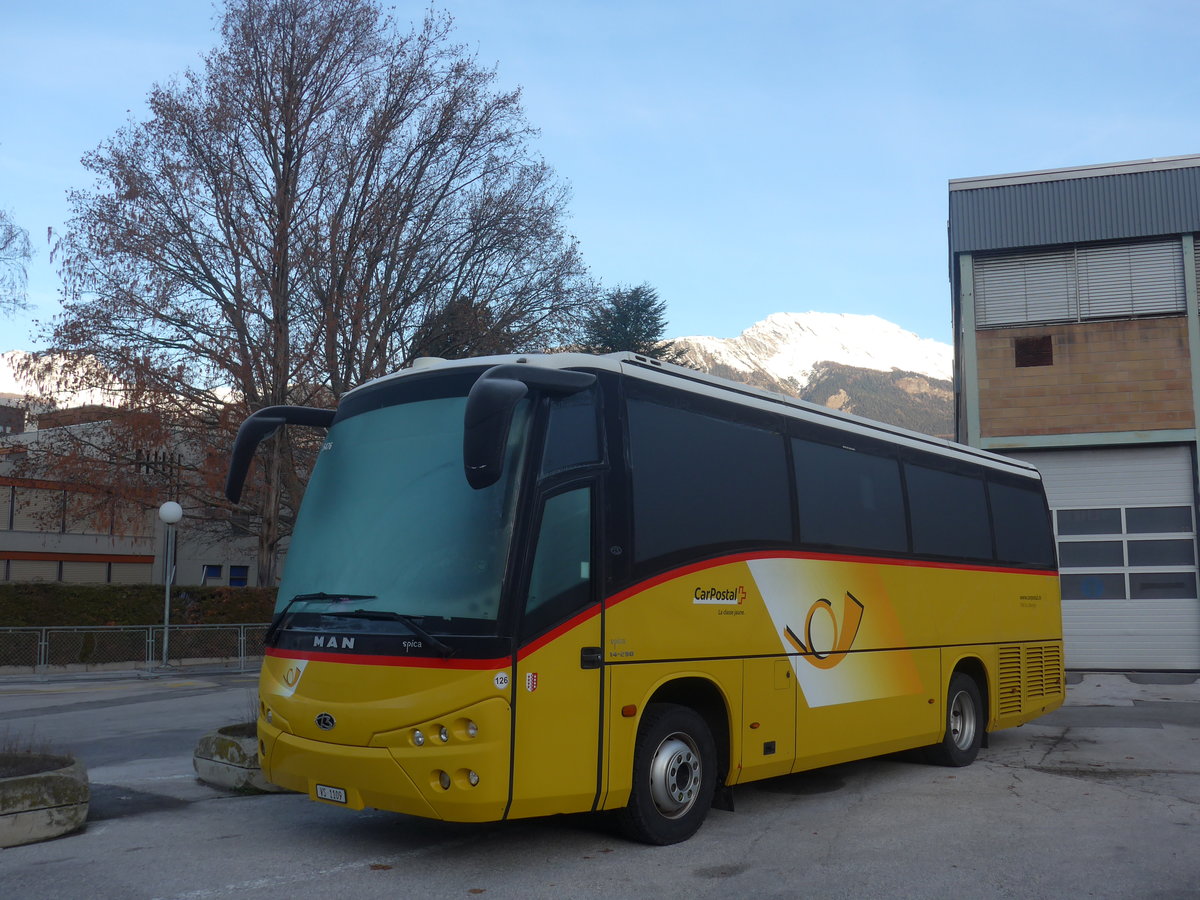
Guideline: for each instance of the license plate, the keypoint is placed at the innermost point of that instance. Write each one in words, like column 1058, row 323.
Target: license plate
column 325, row 792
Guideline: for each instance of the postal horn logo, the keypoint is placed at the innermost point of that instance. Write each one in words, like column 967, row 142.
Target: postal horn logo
column 844, row 633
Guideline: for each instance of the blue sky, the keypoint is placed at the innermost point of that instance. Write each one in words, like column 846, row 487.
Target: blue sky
column 742, row 158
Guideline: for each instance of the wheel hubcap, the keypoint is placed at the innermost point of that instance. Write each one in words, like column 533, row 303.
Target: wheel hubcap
column 962, row 720
column 675, row 775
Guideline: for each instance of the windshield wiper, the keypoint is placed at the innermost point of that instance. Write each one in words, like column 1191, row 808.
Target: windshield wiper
column 319, row 595
column 408, row 621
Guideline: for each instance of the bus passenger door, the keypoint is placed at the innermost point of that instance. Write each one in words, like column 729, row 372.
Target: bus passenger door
column 557, row 694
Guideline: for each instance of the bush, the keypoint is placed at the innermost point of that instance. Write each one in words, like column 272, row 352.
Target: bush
column 43, row 604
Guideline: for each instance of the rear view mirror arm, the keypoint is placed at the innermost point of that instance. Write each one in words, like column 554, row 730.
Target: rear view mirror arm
column 261, row 425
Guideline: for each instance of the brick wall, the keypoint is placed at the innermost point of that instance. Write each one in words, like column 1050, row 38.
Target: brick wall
column 1127, row 375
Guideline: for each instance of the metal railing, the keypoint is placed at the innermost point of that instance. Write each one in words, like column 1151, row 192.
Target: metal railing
column 233, row 648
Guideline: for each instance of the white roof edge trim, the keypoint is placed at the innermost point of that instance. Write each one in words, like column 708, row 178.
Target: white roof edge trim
column 1154, row 164
column 609, row 362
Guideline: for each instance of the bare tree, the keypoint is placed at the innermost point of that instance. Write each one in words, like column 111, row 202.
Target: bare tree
column 14, row 257
column 326, row 199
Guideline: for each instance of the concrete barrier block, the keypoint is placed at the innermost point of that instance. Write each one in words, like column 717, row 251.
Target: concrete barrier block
column 43, row 804
column 228, row 758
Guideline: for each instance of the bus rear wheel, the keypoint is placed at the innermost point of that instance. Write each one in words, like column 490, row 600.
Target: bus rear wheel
column 674, row 776
column 964, row 724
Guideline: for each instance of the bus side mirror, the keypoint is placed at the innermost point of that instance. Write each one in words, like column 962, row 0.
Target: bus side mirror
column 489, row 415
column 490, row 407
column 259, row 426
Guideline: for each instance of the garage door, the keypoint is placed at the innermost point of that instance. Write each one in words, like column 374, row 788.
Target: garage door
column 1125, row 521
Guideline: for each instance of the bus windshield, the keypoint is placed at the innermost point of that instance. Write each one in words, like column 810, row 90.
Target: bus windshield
column 389, row 524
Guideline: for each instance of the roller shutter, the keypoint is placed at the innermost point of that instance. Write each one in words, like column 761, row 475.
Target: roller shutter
column 1130, row 280
column 33, row 570
column 132, row 573
column 1125, row 521
column 1101, row 281
column 1028, row 287
column 75, row 572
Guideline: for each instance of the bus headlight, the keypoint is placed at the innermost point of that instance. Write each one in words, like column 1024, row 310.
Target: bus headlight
column 443, row 734
column 418, row 738
column 472, row 729
column 473, row 777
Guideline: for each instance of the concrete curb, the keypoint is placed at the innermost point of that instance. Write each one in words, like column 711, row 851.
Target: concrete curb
column 43, row 805
column 224, row 758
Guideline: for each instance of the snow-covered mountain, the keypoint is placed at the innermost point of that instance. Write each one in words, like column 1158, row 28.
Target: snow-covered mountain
column 785, row 347
column 15, row 387
column 12, row 384
column 860, row 364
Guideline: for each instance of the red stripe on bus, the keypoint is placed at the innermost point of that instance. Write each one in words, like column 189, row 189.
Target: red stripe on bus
column 426, row 662
column 417, row 662
column 558, row 632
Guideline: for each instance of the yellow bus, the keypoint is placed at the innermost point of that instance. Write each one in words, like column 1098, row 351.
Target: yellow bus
column 524, row 586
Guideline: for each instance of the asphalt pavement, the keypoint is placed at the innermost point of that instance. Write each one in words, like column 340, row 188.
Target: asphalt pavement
column 1099, row 799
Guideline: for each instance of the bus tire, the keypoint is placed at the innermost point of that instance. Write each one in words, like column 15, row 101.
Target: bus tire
column 674, row 776
column 964, row 724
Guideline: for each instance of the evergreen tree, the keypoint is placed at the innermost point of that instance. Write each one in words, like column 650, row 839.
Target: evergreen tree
column 632, row 319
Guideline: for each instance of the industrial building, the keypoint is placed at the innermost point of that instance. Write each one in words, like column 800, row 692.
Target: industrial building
column 1077, row 348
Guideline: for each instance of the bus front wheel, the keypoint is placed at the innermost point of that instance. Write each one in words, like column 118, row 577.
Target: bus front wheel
column 964, row 724
column 674, row 776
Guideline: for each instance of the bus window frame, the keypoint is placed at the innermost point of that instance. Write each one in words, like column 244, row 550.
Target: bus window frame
column 537, row 489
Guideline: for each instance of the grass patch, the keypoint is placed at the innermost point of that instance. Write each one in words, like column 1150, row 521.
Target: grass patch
column 27, row 755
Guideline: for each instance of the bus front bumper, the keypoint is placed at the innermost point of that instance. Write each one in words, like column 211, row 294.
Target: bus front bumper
column 354, row 777
column 455, row 781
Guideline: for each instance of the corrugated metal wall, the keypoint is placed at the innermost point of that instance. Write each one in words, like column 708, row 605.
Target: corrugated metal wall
column 1098, row 208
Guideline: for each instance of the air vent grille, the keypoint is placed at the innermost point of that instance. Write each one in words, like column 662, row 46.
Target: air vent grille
column 1009, row 686
column 1043, row 671
column 1027, row 675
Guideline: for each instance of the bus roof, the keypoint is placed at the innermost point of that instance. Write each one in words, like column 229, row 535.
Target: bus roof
column 682, row 378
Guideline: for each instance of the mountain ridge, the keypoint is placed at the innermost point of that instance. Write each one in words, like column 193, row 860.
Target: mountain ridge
column 859, row 364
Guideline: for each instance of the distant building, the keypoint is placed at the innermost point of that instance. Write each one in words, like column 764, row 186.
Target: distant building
column 49, row 533
column 1077, row 340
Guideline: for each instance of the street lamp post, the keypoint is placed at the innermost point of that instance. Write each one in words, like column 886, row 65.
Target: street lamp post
column 170, row 513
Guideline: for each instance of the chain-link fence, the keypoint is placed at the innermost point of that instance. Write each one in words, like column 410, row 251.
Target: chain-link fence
column 236, row 648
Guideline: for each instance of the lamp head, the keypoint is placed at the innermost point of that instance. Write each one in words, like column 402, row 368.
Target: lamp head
column 170, row 512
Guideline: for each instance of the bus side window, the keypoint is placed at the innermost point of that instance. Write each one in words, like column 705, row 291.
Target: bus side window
column 849, row 498
column 561, row 577
column 949, row 513
column 572, row 436
column 702, row 482
column 1022, row 524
